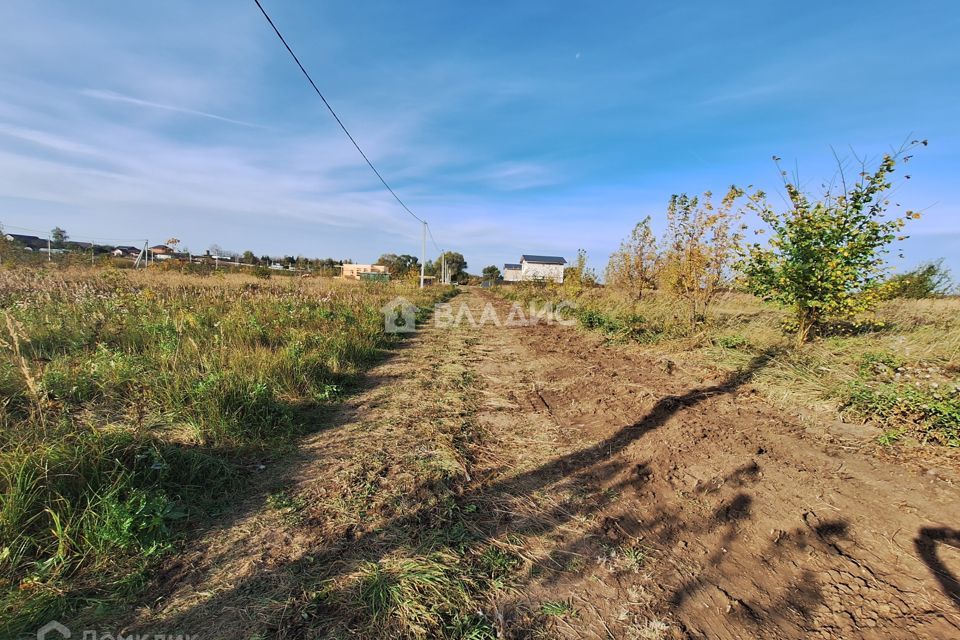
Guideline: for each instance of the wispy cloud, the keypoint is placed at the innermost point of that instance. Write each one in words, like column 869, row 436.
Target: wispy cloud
column 750, row 93
column 113, row 96
column 47, row 140
column 515, row 176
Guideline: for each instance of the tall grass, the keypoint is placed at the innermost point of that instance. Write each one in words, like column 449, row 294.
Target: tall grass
column 130, row 400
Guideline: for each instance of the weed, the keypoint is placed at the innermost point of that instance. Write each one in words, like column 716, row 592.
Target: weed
column 498, row 565
column 634, row 557
column 935, row 413
column 411, row 596
column 735, row 341
column 624, row 558
column 890, row 436
column 558, row 608
column 653, row 630
column 289, row 506
column 882, row 363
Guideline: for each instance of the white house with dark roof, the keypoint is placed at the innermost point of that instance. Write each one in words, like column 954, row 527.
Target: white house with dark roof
column 31, row 243
column 511, row 272
column 541, row 268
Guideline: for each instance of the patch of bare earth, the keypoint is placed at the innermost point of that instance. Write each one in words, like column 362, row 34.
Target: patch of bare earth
column 643, row 501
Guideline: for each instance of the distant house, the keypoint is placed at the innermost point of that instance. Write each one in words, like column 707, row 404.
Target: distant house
column 511, row 272
column 355, row 271
column 32, row 243
column 541, row 268
column 129, row 252
column 161, row 252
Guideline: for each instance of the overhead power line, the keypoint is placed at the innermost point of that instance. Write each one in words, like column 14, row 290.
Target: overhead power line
column 430, row 231
column 334, row 113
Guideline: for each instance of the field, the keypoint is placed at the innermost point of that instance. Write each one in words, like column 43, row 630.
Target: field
column 233, row 457
column 133, row 403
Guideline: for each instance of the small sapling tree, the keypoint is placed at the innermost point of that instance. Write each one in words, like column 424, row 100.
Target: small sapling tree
column 825, row 255
column 700, row 248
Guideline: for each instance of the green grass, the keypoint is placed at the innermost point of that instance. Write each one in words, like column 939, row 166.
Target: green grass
column 290, row 507
column 417, row 597
column 437, row 565
column 559, row 609
column 133, row 402
column 933, row 413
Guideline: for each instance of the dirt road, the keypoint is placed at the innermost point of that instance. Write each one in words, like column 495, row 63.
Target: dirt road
column 646, row 501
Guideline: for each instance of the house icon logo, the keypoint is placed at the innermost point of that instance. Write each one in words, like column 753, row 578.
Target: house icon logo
column 46, row 631
column 399, row 316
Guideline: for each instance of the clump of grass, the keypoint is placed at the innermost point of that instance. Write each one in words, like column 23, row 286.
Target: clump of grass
column 634, row 557
column 288, row 505
column 415, row 597
column 735, row 341
column 626, row 327
column 653, row 630
column 630, row 558
column 559, row 609
column 499, row 566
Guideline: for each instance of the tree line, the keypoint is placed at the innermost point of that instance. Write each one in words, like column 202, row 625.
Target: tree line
column 405, row 266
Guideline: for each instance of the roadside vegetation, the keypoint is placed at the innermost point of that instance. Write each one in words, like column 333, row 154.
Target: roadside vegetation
column 816, row 298
column 134, row 402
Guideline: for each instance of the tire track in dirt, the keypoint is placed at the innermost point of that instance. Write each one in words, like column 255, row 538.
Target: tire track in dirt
column 751, row 528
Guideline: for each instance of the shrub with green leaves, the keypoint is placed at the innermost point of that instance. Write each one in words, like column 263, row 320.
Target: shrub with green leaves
column 826, row 255
column 930, row 280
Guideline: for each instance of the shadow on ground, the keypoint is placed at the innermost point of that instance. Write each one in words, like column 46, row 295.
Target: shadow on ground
column 304, row 576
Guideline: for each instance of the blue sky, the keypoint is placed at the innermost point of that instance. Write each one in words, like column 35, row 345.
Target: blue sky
column 534, row 127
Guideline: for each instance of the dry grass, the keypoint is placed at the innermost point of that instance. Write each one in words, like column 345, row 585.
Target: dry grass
column 134, row 401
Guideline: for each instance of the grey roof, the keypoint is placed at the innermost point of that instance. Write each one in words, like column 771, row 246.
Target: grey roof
column 28, row 241
column 510, row 265
column 543, row 259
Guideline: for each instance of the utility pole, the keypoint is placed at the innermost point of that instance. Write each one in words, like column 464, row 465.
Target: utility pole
column 49, row 250
column 443, row 270
column 423, row 257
